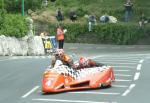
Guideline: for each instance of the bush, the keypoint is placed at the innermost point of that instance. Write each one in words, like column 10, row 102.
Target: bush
column 103, row 33
column 81, row 11
column 1, row 18
column 14, row 25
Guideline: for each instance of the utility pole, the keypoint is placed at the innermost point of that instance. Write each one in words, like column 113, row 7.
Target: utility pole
column 22, row 7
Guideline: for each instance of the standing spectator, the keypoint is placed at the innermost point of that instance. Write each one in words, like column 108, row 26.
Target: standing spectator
column 59, row 15
column 72, row 15
column 143, row 20
column 43, row 34
column 46, row 41
column 128, row 10
column 60, row 37
column 92, row 21
column 45, row 3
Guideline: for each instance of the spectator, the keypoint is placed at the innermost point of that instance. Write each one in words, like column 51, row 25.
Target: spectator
column 59, row 15
column 128, row 10
column 60, row 37
column 104, row 18
column 112, row 19
column 44, row 34
column 73, row 15
column 46, row 41
column 92, row 21
column 45, row 3
column 143, row 20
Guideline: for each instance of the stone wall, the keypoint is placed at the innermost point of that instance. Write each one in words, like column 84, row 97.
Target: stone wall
column 10, row 46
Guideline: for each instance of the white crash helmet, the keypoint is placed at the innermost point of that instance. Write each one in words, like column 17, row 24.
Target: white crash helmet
column 59, row 52
column 83, row 61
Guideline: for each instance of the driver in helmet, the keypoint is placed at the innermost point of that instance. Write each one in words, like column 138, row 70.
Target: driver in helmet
column 60, row 55
column 87, row 63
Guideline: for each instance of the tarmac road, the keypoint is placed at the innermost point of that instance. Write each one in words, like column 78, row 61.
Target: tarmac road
column 20, row 77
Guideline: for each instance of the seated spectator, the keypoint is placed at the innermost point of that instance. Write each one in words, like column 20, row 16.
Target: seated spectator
column 73, row 16
column 143, row 20
column 112, row 19
column 59, row 15
column 104, row 18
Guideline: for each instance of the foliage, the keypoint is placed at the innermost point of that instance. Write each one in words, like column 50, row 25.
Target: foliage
column 103, row 33
column 13, row 25
column 1, row 18
column 121, row 33
column 15, row 5
column 100, row 7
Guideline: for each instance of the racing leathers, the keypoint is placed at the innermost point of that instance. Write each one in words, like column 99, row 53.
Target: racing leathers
column 66, row 60
column 87, row 63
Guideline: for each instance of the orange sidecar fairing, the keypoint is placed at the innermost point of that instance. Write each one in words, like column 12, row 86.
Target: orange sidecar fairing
column 64, row 78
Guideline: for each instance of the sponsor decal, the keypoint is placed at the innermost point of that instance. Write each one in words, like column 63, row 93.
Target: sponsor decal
column 49, row 82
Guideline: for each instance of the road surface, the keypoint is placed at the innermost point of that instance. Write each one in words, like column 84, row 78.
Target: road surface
column 20, row 76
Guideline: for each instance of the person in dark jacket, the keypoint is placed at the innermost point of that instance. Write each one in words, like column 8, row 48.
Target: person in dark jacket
column 59, row 15
column 72, row 15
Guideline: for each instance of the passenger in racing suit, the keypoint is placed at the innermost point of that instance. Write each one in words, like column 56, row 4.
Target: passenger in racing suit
column 60, row 55
column 87, row 63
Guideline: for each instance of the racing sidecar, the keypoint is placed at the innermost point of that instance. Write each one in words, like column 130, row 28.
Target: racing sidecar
column 62, row 78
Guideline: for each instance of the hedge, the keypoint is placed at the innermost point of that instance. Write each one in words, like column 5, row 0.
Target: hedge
column 120, row 33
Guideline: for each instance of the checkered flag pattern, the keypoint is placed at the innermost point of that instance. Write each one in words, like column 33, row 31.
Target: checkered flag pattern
column 77, row 74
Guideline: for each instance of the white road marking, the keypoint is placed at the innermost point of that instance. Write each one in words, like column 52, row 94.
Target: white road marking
column 31, row 91
column 141, row 61
column 116, row 60
column 120, row 59
column 21, row 57
column 119, row 63
column 123, row 75
column 128, row 90
column 70, row 101
column 36, row 57
column 139, row 66
column 120, row 66
column 121, row 70
column 43, row 57
column 104, row 93
column 136, row 76
column 122, row 80
column 4, row 60
column 29, row 57
column 98, row 56
column 14, row 57
column 120, row 86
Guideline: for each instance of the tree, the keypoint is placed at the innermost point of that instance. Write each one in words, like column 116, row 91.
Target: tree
column 53, row 0
column 15, row 5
